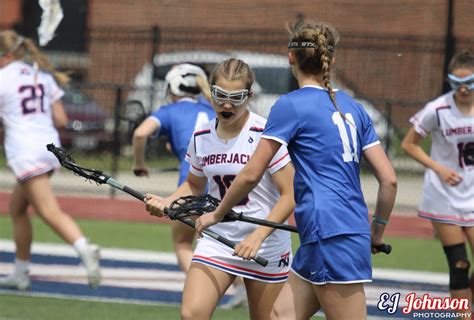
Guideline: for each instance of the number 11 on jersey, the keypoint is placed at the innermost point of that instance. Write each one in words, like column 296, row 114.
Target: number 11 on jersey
column 350, row 153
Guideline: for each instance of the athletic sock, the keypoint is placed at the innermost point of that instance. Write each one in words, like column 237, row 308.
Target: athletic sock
column 22, row 265
column 80, row 244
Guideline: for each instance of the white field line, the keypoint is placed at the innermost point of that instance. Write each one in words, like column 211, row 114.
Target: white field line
column 170, row 258
column 84, row 298
column 105, row 253
column 119, row 277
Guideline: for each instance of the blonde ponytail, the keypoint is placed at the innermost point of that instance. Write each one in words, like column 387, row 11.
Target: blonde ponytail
column 43, row 62
column 16, row 45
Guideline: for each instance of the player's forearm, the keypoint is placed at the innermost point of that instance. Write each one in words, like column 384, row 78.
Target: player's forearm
column 383, row 208
column 187, row 188
column 279, row 214
column 139, row 144
column 417, row 153
column 385, row 199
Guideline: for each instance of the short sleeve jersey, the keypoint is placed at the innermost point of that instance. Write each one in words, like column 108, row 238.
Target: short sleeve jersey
column 326, row 151
column 178, row 121
column 26, row 97
column 452, row 145
column 220, row 161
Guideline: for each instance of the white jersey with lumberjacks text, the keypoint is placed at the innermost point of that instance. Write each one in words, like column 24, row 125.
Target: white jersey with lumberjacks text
column 452, row 146
column 26, row 97
column 220, row 161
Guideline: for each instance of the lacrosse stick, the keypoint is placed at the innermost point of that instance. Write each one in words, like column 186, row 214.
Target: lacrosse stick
column 99, row 177
column 201, row 204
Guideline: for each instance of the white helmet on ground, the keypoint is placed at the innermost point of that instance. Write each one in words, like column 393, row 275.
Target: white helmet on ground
column 181, row 79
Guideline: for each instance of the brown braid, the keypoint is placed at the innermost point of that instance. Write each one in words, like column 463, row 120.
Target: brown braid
column 318, row 60
column 321, row 40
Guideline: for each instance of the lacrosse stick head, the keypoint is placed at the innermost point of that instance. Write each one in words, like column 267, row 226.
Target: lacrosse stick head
column 194, row 206
column 62, row 155
column 66, row 160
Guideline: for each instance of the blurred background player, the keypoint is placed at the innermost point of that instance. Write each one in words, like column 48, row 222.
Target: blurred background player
column 217, row 152
column 188, row 90
column 448, row 189
column 327, row 133
column 31, row 111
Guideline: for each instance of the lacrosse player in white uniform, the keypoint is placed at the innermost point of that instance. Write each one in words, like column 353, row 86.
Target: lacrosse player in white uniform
column 31, row 110
column 217, row 152
column 448, row 190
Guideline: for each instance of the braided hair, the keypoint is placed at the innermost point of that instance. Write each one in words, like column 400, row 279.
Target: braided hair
column 313, row 45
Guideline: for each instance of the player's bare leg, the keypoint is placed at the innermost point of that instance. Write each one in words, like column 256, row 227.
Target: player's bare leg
column 297, row 300
column 40, row 195
column 22, row 230
column 203, row 288
column 183, row 237
column 449, row 235
column 350, row 296
column 261, row 297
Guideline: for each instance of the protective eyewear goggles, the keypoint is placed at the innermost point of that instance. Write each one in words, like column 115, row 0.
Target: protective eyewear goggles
column 236, row 98
column 456, row 82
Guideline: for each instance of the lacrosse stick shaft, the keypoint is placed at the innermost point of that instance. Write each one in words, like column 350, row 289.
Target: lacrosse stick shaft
column 114, row 183
column 261, row 261
column 140, row 196
column 262, row 222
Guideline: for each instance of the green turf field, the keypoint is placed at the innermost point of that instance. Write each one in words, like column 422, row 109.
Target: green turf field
column 412, row 254
column 408, row 253
column 39, row 308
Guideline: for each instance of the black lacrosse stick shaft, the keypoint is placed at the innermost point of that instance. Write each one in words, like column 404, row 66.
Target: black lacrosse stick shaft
column 95, row 175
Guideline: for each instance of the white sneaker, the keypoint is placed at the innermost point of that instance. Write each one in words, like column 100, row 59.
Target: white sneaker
column 238, row 299
column 90, row 258
column 16, row 280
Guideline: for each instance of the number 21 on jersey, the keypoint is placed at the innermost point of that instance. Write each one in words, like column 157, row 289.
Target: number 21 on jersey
column 349, row 152
column 32, row 98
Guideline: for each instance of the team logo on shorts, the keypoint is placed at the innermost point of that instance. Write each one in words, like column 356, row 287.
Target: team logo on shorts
column 284, row 260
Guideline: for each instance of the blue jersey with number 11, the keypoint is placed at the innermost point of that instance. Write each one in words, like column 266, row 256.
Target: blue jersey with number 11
column 326, row 150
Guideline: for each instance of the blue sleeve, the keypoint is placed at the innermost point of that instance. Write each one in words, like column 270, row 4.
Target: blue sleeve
column 282, row 123
column 163, row 115
column 369, row 135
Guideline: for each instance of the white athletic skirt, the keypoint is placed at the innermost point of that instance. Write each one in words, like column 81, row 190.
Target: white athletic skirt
column 27, row 166
column 446, row 204
column 216, row 255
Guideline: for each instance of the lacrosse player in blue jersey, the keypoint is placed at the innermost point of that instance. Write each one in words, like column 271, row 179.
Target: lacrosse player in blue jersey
column 187, row 84
column 327, row 134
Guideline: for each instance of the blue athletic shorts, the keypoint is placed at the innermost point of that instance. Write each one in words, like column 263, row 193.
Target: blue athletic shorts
column 340, row 259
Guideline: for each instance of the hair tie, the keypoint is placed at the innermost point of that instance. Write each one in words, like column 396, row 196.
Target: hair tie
column 306, row 44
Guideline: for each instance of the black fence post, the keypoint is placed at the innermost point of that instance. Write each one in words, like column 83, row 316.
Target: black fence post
column 117, row 143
